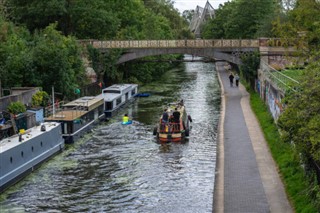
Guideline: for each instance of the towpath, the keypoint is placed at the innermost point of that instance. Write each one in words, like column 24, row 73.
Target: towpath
column 246, row 177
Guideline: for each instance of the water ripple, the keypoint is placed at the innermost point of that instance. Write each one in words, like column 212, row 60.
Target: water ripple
column 122, row 168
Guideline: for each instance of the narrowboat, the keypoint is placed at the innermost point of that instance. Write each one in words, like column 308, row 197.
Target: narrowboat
column 21, row 153
column 173, row 129
column 77, row 117
column 117, row 96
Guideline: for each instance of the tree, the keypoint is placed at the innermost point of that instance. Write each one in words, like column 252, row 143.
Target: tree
column 232, row 22
column 301, row 26
column 57, row 62
column 251, row 62
column 84, row 19
column 15, row 57
column 187, row 15
column 300, row 122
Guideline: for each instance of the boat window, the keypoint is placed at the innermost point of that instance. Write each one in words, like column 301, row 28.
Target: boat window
column 109, row 106
column 118, row 101
column 133, row 92
column 21, row 153
column 112, row 91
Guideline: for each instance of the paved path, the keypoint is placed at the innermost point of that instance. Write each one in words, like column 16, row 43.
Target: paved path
column 246, row 178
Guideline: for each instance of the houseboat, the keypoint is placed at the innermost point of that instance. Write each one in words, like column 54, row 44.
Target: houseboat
column 116, row 96
column 77, row 117
column 172, row 128
column 22, row 153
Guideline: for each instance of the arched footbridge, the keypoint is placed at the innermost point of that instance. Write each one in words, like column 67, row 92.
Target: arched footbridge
column 222, row 49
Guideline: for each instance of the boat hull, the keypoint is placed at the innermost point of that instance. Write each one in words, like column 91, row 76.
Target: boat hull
column 174, row 137
column 20, row 158
column 78, row 117
column 75, row 136
column 117, row 96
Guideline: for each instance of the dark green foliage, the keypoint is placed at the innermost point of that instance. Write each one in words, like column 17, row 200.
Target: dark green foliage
column 300, row 25
column 57, row 62
column 148, row 71
column 101, row 19
column 300, row 121
column 16, row 108
column 249, row 68
column 241, row 19
column 85, row 19
column 15, row 57
column 44, row 60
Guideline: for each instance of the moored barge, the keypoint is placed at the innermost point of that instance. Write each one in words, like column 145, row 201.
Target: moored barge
column 21, row 153
column 77, row 117
column 117, row 96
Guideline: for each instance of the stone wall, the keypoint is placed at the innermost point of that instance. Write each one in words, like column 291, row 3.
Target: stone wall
column 22, row 94
column 270, row 94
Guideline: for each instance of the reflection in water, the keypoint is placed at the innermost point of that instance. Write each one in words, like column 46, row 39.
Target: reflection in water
column 122, row 168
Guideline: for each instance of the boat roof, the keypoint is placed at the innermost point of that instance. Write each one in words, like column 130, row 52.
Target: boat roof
column 66, row 115
column 121, row 87
column 13, row 141
column 116, row 90
column 86, row 103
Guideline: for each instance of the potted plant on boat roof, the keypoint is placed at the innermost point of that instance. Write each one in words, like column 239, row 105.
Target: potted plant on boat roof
column 40, row 99
column 16, row 108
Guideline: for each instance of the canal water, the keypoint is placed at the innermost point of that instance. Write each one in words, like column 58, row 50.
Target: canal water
column 122, row 168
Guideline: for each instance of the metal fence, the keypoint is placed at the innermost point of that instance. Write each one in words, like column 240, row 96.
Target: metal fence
column 281, row 81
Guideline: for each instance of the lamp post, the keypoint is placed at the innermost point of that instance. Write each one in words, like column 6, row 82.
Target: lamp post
column 53, row 108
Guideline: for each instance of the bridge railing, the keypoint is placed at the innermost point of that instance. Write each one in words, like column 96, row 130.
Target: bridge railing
column 198, row 43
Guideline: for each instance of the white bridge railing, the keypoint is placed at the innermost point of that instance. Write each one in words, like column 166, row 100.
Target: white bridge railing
column 217, row 43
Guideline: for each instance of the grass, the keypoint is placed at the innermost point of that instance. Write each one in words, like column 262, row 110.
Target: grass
column 296, row 183
column 293, row 73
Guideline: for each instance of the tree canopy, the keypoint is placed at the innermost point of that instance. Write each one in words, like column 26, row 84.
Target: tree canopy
column 44, row 59
column 241, row 19
column 300, row 121
column 39, row 39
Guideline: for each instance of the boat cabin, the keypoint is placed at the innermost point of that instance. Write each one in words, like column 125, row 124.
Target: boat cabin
column 77, row 116
column 117, row 95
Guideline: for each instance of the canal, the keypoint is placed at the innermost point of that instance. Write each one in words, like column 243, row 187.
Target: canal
column 121, row 168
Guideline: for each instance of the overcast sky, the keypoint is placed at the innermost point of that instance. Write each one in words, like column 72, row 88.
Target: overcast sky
column 183, row 5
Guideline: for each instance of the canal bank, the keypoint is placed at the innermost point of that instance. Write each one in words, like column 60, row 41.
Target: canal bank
column 246, row 175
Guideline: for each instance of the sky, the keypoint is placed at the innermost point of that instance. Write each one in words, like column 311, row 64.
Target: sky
column 182, row 5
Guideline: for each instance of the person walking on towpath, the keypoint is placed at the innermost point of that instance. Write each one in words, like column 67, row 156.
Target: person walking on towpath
column 231, row 77
column 237, row 77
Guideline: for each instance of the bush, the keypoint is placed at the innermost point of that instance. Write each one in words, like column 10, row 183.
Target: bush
column 40, row 98
column 16, row 108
